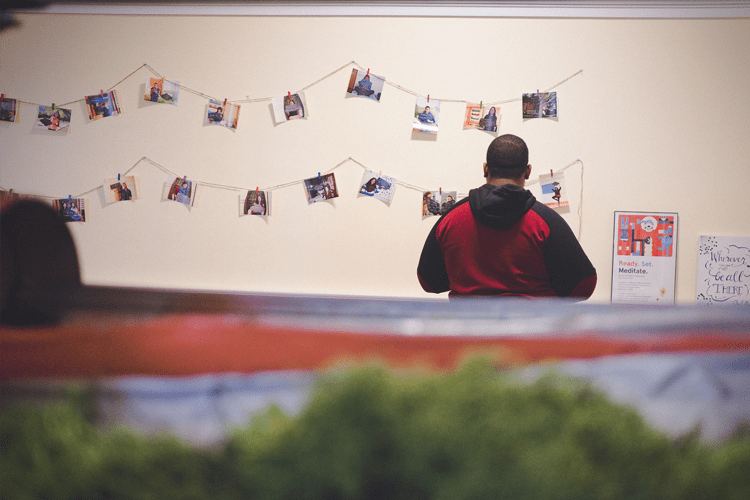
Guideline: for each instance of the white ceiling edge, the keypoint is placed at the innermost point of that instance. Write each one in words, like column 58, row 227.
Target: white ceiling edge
column 716, row 9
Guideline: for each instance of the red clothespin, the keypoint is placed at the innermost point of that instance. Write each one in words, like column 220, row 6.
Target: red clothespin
column 428, row 97
column 2, row 96
column 368, row 72
column 441, row 191
column 289, row 94
column 551, row 173
column 225, row 102
column 256, row 191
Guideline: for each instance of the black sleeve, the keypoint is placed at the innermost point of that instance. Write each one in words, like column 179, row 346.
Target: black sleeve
column 567, row 263
column 431, row 269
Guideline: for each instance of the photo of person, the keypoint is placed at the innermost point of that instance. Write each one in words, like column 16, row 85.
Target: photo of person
column 56, row 119
column 289, row 107
column 124, row 189
column 162, row 91
column 447, row 200
column 540, row 105
column 426, row 116
column 225, row 115
column 320, row 188
column 481, row 117
column 365, row 84
column 377, row 186
column 71, row 209
column 430, row 204
column 554, row 194
column 103, row 105
column 8, row 109
column 257, row 203
column 183, row 191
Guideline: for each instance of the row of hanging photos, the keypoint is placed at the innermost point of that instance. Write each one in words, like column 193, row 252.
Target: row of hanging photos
column 426, row 117
column 258, row 202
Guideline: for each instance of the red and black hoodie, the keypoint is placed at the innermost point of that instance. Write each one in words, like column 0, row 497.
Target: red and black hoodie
column 501, row 241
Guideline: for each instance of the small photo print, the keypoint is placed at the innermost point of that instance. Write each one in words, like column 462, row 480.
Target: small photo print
column 57, row 119
column 365, row 84
column 320, row 188
column 437, row 202
column 162, row 91
column 540, row 105
column 8, row 109
column 481, row 117
column 289, row 107
column 183, row 191
column 426, row 116
column 257, row 203
column 124, row 189
column 225, row 115
column 377, row 186
column 554, row 194
column 71, row 209
column 103, row 105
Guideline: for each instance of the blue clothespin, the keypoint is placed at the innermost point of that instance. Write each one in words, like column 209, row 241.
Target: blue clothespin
column 318, row 175
column 118, row 177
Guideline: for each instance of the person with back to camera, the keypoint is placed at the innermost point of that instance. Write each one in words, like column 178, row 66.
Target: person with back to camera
column 500, row 241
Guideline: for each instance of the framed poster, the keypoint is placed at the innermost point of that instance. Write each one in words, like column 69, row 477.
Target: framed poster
column 723, row 270
column 643, row 262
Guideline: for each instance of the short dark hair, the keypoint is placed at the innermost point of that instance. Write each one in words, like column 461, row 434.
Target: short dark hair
column 507, row 157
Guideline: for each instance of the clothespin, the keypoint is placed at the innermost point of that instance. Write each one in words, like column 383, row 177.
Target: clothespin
column 318, row 175
column 53, row 106
column 480, row 105
column 184, row 179
column 101, row 92
column 551, row 174
column 11, row 191
column 2, row 96
column 256, row 191
column 118, row 177
column 289, row 94
column 225, row 102
column 428, row 97
column 368, row 72
column 70, row 198
column 441, row 191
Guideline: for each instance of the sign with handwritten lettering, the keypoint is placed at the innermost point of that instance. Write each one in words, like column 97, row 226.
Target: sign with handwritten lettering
column 643, row 260
column 723, row 270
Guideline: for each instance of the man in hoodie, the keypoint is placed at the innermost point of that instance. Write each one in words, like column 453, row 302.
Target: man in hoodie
column 501, row 241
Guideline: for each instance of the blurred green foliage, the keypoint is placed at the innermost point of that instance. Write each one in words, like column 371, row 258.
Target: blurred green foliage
column 374, row 434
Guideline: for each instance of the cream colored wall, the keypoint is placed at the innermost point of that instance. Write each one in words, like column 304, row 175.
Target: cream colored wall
column 658, row 117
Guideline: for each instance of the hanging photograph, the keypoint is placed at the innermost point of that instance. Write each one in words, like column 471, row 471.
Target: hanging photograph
column 377, row 186
column 481, row 117
column 71, row 209
column 365, row 84
column 103, row 105
column 435, row 203
column 257, row 203
column 643, row 264
column 540, row 105
column 289, row 107
column 51, row 118
column 183, row 191
column 554, row 194
column 426, row 116
column 8, row 109
column 222, row 114
column 723, row 270
column 124, row 189
column 162, row 91
column 320, row 188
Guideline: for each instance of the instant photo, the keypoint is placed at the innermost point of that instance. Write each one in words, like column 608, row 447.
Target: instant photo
column 436, row 203
column 124, row 189
column 103, row 105
column 257, row 203
column 222, row 114
column 71, row 209
column 540, row 105
column 183, row 191
column 289, row 107
column 426, row 116
column 377, row 186
column 8, row 110
column 54, row 119
column 365, row 84
column 481, row 117
column 321, row 188
column 161, row 90
column 554, row 194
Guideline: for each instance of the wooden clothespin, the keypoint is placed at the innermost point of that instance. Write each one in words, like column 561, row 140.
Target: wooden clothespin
column 480, row 106
column 441, row 191
column 256, row 191
column 225, row 103
column 368, row 72
column 428, row 97
column 53, row 106
column 551, row 173
column 289, row 94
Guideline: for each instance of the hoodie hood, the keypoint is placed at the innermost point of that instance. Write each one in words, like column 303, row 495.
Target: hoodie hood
column 500, row 207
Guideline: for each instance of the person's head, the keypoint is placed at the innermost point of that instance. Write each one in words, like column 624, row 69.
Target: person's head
column 219, row 109
column 426, row 109
column 184, row 184
column 507, row 158
column 492, row 110
column 449, row 198
column 125, row 185
column 427, row 195
column 367, row 77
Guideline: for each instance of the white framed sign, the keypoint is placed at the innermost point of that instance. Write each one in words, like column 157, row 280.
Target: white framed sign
column 723, row 270
column 643, row 258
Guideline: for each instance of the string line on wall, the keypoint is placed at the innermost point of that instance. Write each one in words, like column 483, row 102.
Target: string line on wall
column 261, row 99
column 301, row 181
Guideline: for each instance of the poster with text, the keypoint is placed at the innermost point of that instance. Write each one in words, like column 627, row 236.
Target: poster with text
column 723, row 270
column 643, row 266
